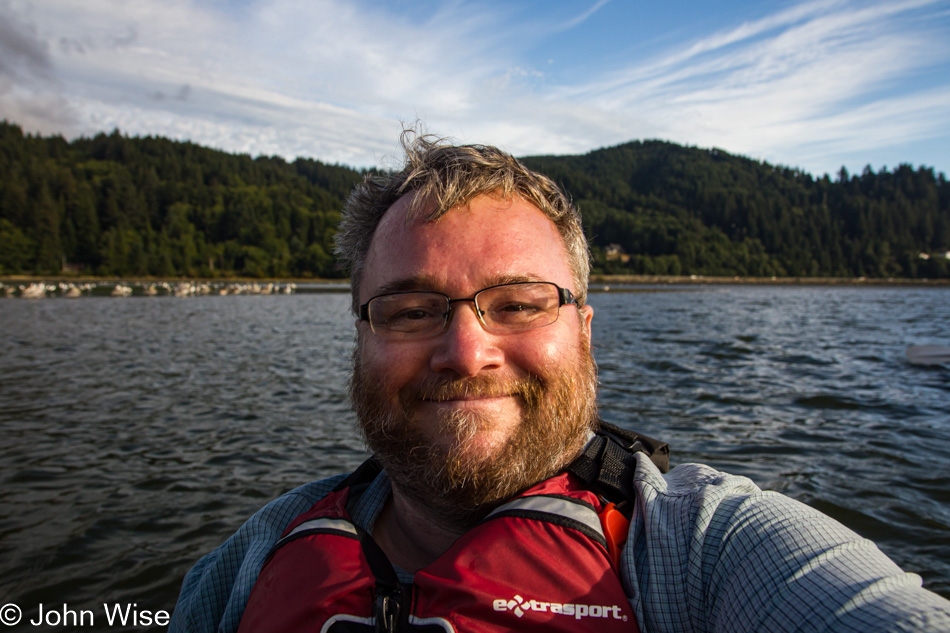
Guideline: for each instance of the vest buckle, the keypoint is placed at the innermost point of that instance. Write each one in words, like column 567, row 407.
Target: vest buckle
column 386, row 611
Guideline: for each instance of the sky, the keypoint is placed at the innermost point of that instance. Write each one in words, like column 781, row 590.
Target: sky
column 813, row 85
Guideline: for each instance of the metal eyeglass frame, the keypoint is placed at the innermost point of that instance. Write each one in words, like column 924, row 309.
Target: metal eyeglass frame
column 565, row 297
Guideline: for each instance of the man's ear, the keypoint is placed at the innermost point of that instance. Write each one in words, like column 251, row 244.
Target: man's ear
column 587, row 315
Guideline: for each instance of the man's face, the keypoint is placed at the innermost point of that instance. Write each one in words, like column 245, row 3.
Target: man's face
column 513, row 407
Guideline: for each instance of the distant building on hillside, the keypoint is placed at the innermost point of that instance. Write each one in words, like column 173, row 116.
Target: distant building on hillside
column 615, row 252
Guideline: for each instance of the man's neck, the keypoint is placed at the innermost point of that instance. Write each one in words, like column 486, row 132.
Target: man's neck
column 410, row 538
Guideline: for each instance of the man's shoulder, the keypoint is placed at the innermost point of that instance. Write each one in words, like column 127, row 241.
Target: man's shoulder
column 696, row 501
column 217, row 586
column 308, row 493
column 269, row 522
column 691, row 479
column 708, row 545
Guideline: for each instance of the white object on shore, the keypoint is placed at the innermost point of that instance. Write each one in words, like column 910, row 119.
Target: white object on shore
column 928, row 354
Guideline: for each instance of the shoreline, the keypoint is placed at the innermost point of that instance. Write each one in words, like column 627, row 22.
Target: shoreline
column 595, row 280
column 700, row 280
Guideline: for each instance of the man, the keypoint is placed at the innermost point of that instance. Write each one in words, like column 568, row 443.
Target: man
column 489, row 504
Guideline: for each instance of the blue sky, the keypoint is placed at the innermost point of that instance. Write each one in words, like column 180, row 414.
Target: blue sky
column 813, row 85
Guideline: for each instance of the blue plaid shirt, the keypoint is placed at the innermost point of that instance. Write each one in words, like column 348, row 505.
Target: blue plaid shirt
column 707, row 551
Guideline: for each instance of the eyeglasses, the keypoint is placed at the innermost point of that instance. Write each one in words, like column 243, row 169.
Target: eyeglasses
column 513, row 307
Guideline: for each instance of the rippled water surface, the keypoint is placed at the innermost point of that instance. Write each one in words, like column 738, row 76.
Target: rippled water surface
column 138, row 433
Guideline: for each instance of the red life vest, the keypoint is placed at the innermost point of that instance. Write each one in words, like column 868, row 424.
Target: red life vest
column 538, row 562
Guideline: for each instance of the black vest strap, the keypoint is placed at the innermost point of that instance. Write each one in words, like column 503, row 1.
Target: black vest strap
column 608, row 463
column 361, row 477
column 391, row 599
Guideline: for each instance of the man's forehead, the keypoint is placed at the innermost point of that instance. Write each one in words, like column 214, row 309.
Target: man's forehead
column 397, row 217
column 429, row 282
column 408, row 213
column 412, row 210
column 489, row 240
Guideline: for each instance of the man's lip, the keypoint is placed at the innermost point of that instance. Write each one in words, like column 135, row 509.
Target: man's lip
column 469, row 398
column 470, row 402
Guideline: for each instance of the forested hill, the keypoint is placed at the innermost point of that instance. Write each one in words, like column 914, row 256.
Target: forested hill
column 678, row 210
column 114, row 205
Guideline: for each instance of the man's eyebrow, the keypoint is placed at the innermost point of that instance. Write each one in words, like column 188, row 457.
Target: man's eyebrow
column 510, row 278
column 426, row 284
column 418, row 282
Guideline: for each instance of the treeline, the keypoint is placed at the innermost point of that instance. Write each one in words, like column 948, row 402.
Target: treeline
column 113, row 205
column 677, row 210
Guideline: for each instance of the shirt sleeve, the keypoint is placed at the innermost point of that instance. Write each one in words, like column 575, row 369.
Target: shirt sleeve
column 711, row 552
column 215, row 591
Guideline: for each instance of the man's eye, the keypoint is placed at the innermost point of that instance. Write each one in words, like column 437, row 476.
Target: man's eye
column 416, row 314
column 516, row 312
column 519, row 307
column 413, row 314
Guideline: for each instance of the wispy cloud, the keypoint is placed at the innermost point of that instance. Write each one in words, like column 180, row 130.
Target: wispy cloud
column 818, row 75
column 580, row 19
column 811, row 85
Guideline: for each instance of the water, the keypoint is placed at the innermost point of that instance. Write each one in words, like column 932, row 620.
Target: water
column 138, row 433
column 805, row 390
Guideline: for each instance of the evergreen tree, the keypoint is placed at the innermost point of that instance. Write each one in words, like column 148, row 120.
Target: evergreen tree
column 151, row 206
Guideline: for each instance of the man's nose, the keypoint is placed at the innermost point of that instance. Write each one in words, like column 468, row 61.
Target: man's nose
column 465, row 347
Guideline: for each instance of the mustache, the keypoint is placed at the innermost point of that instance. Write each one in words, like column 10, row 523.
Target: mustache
column 441, row 389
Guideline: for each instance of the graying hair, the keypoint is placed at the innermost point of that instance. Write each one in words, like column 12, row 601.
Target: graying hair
column 445, row 176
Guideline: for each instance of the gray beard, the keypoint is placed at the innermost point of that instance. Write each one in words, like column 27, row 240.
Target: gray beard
column 456, row 487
